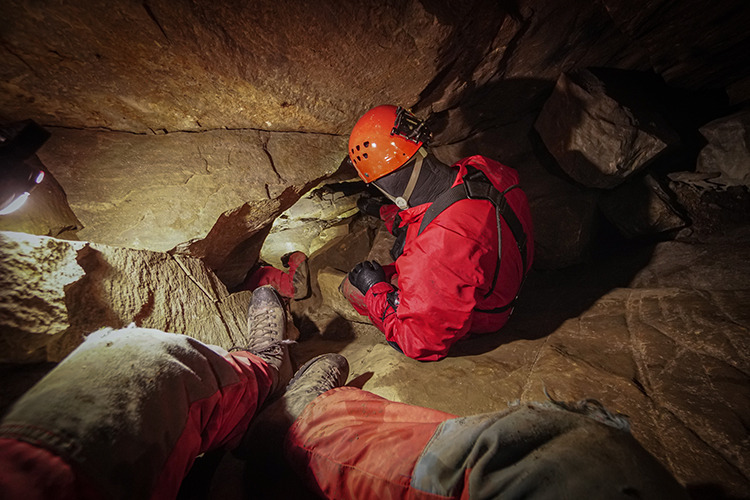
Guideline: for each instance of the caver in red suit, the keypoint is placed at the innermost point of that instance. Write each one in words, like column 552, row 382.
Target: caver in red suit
column 127, row 413
column 464, row 238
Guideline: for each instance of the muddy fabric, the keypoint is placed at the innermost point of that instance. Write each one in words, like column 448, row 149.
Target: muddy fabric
column 284, row 282
column 449, row 282
column 129, row 410
column 350, row 443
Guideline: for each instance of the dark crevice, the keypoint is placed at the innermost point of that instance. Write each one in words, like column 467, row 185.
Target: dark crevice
column 17, row 56
column 510, row 49
column 150, row 13
column 264, row 138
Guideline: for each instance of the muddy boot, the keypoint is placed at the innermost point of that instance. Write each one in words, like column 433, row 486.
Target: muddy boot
column 267, row 337
column 299, row 271
column 266, row 433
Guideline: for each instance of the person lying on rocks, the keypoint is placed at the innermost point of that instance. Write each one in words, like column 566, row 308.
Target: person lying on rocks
column 464, row 240
column 126, row 414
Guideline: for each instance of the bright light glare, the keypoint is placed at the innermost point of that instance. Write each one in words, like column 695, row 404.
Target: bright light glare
column 39, row 177
column 15, row 205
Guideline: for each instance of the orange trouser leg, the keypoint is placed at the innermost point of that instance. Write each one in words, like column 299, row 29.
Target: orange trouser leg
column 350, row 443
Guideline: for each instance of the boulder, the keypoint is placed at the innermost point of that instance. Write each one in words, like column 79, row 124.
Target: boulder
column 597, row 139
column 728, row 148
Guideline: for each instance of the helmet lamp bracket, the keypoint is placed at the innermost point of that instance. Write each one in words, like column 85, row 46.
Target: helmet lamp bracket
column 410, row 127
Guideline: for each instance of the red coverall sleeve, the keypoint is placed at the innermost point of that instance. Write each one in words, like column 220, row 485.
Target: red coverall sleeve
column 438, row 281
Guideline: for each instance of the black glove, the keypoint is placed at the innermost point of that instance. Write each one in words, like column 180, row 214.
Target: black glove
column 370, row 205
column 365, row 274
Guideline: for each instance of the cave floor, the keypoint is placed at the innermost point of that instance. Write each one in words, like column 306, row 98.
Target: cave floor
column 662, row 336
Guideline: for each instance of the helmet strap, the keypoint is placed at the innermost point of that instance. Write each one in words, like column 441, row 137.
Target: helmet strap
column 402, row 202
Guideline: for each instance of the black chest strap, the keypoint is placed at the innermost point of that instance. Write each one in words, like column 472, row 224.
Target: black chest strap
column 476, row 186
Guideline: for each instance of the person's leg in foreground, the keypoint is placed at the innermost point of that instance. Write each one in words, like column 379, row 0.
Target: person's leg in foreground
column 350, row 443
column 126, row 414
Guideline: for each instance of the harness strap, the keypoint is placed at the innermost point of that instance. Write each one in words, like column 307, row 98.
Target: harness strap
column 477, row 186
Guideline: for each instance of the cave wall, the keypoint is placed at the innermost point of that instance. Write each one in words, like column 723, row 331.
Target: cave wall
column 161, row 65
column 167, row 116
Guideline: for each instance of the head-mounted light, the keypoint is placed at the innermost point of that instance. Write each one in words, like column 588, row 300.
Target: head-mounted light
column 18, row 142
column 410, row 127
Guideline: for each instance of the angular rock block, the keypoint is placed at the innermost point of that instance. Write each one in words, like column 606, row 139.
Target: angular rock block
column 728, row 149
column 599, row 140
column 313, row 221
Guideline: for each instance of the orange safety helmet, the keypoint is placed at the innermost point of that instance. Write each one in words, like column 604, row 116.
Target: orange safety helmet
column 385, row 139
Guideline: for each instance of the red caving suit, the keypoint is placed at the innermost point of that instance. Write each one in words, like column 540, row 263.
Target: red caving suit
column 445, row 274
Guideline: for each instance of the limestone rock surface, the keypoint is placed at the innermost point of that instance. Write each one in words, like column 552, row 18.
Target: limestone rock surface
column 266, row 65
column 157, row 191
column 716, row 205
column 728, row 148
column 314, row 220
column 678, row 36
column 56, row 292
column 598, row 140
column 329, row 280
